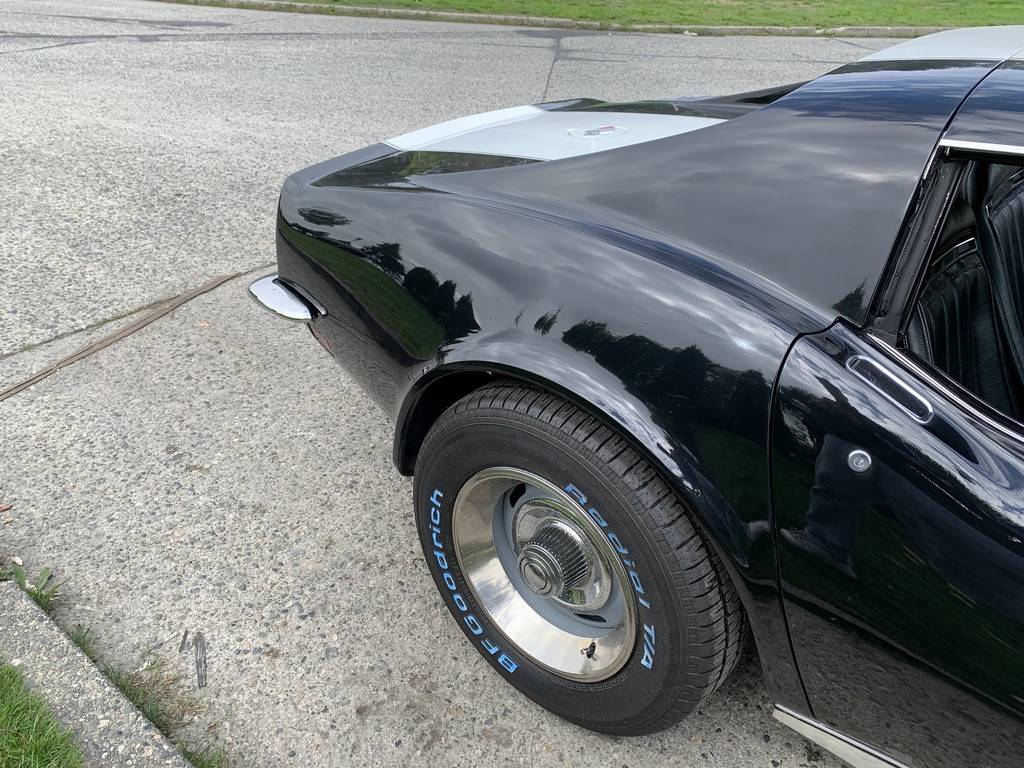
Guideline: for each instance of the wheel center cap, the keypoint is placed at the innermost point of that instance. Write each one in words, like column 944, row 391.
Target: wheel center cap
column 537, row 575
column 553, row 561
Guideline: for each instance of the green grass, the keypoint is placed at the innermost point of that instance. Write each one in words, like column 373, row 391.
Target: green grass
column 206, row 756
column 154, row 690
column 157, row 693
column 30, row 737
column 84, row 639
column 789, row 13
column 27, row 731
column 42, row 590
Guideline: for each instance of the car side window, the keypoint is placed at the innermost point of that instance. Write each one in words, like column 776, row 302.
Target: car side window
column 968, row 319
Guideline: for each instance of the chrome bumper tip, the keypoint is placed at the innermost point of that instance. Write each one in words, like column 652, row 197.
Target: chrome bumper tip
column 281, row 299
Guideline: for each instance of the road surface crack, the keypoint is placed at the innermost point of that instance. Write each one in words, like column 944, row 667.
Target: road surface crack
column 158, row 310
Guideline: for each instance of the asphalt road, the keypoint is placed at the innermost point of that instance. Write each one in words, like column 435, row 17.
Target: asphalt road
column 217, row 472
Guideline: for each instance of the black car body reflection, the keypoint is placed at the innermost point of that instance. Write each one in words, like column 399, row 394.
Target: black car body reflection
column 704, row 293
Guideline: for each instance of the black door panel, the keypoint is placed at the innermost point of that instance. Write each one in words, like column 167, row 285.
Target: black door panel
column 903, row 573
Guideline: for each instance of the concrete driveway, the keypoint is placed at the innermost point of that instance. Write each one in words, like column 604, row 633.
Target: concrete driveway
column 215, row 471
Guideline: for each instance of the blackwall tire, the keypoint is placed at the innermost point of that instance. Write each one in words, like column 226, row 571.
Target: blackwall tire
column 664, row 590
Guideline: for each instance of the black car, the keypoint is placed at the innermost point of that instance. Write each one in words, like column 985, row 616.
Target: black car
column 665, row 371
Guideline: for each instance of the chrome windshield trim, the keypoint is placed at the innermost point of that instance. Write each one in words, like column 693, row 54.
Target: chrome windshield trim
column 856, row 753
column 983, row 146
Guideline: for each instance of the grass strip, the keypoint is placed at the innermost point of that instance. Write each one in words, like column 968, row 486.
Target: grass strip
column 781, row 13
column 158, row 694
column 30, row 736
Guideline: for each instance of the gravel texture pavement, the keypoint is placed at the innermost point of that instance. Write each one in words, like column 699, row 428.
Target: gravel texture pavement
column 183, row 478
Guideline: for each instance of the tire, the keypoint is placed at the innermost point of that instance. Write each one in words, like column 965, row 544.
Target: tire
column 689, row 624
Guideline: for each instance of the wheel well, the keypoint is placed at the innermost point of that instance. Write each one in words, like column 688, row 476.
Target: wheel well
column 428, row 407
column 447, row 389
column 444, row 391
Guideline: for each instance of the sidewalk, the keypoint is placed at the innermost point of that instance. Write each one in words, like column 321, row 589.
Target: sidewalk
column 107, row 728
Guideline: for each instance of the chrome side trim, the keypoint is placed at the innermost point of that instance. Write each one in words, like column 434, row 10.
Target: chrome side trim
column 281, row 299
column 983, row 146
column 856, row 753
column 857, row 365
column 896, row 356
column 962, row 246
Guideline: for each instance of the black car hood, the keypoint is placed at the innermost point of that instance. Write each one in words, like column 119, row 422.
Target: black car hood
column 808, row 192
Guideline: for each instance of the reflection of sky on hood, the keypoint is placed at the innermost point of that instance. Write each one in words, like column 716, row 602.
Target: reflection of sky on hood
column 714, row 239
column 808, row 192
column 509, row 263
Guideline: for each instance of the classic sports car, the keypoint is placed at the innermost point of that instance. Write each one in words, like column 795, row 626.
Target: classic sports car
column 669, row 370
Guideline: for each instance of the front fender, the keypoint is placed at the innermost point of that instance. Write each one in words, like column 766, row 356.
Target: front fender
column 677, row 349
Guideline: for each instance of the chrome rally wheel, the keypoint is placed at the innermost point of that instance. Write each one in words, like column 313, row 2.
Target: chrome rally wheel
column 570, row 565
column 545, row 574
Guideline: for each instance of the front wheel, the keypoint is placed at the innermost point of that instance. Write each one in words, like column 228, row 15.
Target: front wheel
column 570, row 565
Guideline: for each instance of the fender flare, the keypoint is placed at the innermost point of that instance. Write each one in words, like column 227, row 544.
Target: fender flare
column 438, row 388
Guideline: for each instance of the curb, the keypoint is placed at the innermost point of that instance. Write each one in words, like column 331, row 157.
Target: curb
column 461, row 17
column 106, row 726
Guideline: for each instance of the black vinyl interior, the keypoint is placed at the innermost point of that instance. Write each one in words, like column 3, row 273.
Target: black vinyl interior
column 968, row 320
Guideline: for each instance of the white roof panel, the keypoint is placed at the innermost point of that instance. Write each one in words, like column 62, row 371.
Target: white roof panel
column 538, row 134
column 972, row 43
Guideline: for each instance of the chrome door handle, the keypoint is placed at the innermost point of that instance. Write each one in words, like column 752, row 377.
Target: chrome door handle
column 891, row 387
